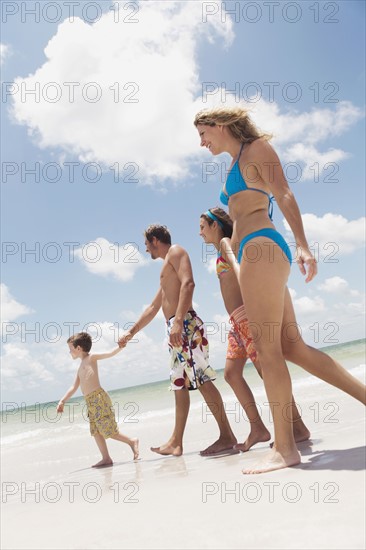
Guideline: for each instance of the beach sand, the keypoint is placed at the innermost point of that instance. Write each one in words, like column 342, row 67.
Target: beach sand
column 190, row 501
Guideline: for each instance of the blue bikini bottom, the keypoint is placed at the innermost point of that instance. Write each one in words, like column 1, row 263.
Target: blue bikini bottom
column 271, row 234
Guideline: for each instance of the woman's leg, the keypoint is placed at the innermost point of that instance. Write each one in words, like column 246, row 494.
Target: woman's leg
column 301, row 432
column 234, row 377
column 313, row 360
column 263, row 283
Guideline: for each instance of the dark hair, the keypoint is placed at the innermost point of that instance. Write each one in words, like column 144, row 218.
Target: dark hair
column 161, row 232
column 223, row 217
column 82, row 339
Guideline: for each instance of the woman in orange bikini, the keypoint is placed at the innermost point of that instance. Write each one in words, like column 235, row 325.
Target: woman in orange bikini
column 216, row 228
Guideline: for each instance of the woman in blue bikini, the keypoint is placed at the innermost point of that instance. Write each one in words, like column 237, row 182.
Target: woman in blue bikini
column 254, row 179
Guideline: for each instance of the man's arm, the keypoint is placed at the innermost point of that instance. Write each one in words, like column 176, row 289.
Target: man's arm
column 147, row 316
column 70, row 392
column 181, row 263
column 271, row 172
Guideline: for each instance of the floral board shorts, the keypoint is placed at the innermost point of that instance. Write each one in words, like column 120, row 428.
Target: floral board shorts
column 189, row 366
column 240, row 340
column 101, row 414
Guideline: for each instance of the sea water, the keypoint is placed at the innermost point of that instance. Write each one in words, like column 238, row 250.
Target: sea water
column 151, row 404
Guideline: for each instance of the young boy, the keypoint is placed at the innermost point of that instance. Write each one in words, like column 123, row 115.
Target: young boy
column 100, row 412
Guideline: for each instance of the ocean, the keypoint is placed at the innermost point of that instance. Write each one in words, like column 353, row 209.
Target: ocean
column 149, row 404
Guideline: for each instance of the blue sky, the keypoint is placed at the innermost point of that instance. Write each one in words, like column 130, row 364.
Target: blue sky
column 164, row 61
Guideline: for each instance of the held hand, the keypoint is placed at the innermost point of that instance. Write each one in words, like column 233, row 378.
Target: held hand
column 304, row 258
column 175, row 338
column 122, row 342
column 60, row 407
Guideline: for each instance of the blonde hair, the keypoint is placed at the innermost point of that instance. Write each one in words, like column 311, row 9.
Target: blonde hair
column 236, row 119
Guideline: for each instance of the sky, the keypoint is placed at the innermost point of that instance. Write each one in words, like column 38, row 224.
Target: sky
column 98, row 142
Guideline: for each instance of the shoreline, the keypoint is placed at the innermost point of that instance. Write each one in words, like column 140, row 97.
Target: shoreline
column 157, row 383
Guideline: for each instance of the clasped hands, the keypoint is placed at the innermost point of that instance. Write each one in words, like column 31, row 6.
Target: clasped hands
column 122, row 342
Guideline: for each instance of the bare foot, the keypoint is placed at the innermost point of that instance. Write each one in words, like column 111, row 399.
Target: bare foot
column 300, row 435
column 275, row 461
column 220, row 446
column 103, row 463
column 252, row 439
column 135, row 448
column 174, row 450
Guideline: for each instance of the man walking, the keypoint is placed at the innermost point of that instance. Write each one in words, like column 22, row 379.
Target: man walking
column 188, row 344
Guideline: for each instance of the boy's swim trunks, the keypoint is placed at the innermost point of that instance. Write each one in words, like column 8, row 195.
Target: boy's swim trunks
column 101, row 414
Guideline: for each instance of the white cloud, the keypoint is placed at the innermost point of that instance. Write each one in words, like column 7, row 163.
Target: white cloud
column 292, row 292
column 297, row 134
column 337, row 285
column 153, row 65
column 21, row 370
column 101, row 257
column 352, row 309
column 5, row 51
column 210, row 265
column 222, row 319
column 331, row 235
column 334, row 316
column 128, row 315
column 306, row 305
column 317, row 165
column 308, row 127
column 10, row 308
column 23, row 363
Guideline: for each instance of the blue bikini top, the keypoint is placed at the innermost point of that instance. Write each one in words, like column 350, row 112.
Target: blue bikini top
column 236, row 183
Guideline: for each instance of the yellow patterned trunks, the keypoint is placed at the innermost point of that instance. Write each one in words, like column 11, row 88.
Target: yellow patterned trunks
column 101, row 414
